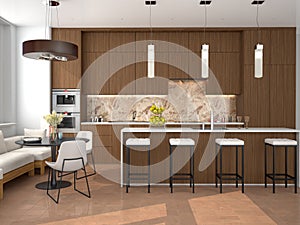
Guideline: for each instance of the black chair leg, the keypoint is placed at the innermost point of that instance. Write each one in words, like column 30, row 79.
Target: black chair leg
column 87, row 183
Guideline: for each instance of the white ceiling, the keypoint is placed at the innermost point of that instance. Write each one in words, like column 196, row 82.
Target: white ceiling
column 167, row 13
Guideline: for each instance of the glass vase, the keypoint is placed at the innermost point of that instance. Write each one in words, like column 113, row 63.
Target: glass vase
column 53, row 133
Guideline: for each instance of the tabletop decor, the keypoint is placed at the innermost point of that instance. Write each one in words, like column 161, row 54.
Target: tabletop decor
column 157, row 120
column 54, row 119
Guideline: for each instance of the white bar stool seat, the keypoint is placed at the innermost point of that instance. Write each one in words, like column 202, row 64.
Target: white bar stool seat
column 182, row 141
column 280, row 141
column 229, row 141
column 138, row 142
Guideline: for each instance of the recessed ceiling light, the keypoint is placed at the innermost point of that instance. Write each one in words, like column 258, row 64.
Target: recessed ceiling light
column 150, row 2
column 259, row 2
column 203, row 2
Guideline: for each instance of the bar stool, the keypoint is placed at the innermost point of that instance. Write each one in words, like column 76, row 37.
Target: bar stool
column 280, row 142
column 229, row 142
column 182, row 142
column 137, row 142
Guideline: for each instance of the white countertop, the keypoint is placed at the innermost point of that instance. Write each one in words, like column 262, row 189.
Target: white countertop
column 216, row 130
column 167, row 123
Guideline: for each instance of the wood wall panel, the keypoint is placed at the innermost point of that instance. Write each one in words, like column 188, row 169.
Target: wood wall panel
column 282, row 96
column 67, row 74
column 178, row 56
column 226, row 69
column 283, row 45
column 95, row 41
column 223, row 41
column 257, row 95
column 95, row 76
column 251, row 38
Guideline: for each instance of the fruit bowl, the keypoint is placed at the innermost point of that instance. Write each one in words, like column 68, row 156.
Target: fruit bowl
column 157, row 120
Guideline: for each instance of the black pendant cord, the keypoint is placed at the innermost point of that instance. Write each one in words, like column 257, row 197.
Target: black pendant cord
column 58, row 25
column 205, row 20
column 257, row 23
column 150, row 19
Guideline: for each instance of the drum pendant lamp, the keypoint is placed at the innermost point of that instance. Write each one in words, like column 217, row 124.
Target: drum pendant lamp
column 46, row 49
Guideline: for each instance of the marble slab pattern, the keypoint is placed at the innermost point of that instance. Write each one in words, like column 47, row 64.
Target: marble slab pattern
column 186, row 101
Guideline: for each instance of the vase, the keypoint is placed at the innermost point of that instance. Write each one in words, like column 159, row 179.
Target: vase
column 53, row 133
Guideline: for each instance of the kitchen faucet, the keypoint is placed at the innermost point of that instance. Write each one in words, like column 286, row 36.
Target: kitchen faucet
column 133, row 115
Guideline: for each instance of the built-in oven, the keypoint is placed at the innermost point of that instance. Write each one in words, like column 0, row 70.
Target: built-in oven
column 70, row 123
column 66, row 100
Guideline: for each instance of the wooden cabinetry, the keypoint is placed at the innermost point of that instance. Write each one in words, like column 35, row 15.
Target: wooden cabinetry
column 95, row 62
column 225, row 69
column 67, row 74
column 283, row 45
column 122, row 58
column 155, row 85
column 282, row 96
column 178, row 55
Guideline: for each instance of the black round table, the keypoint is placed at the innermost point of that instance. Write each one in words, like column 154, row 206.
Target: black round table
column 54, row 145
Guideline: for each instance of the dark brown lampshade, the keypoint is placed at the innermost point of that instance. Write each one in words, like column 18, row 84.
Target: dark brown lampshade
column 50, row 50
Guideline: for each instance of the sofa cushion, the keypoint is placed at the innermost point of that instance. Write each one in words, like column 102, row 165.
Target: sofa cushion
column 39, row 153
column 11, row 143
column 35, row 132
column 2, row 143
column 13, row 160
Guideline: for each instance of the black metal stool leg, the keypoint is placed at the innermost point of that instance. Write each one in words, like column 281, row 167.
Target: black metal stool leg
column 127, row 168
column 216, row 165
column 236, row 166
column 149, row 169
column 273, row 171
column 296, row 172
column 192, row 172
column 171, row 170
column 221, row 167
column 266, row 165
column 285, row 166
column 243, row 170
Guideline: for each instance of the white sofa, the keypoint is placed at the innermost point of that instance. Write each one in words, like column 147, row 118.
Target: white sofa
column 15, row 160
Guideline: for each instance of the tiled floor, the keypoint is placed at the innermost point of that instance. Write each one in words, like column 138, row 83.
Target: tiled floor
column 24, row 204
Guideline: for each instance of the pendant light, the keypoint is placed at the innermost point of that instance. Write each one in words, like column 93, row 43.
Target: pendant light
column 205, row 47
column 151, row 53
column 46, row 49
column 258, row 51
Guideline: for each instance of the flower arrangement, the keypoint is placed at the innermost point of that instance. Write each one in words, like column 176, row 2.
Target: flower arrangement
column 54, row 118
column 157, row 119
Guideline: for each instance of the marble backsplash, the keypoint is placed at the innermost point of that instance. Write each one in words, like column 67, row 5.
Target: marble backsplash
column 186, row 101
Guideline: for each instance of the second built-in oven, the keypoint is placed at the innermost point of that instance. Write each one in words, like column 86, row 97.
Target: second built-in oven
column 70, row 123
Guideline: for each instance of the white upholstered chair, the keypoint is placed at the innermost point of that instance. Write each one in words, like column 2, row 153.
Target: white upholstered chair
column 71, row 158
column 89, row 147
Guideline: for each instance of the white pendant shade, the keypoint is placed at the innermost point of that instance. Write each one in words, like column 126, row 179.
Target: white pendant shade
column 204, row 59
column 258, row 61
column 151, row 61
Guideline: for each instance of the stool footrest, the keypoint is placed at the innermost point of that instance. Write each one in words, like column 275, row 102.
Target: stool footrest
column 280, row 176
column 225, row 176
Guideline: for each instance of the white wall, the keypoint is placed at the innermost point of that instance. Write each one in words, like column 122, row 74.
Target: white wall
column 33, row 83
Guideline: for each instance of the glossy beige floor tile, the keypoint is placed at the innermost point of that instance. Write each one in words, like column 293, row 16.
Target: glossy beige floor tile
column 24, row 204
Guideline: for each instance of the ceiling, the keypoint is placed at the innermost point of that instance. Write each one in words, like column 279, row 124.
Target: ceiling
column 167, row 13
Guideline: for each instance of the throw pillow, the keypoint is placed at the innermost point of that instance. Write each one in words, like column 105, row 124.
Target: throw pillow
column 2, row 143
column 35, row 132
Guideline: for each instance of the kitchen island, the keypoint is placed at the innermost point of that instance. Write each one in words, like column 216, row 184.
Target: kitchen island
column 110, row 136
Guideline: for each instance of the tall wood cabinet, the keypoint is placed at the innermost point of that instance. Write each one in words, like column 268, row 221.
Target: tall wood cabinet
column 67, row 74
